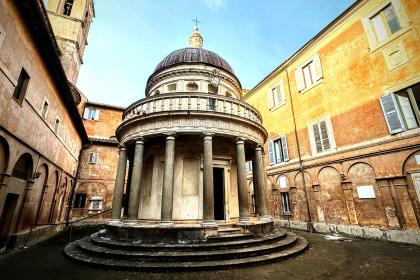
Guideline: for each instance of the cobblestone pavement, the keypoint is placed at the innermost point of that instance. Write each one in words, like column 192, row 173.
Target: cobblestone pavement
column 355, row 259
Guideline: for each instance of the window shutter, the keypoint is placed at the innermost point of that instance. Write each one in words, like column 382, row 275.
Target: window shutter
column 96, row 157
column 279, row 94
column 318, row 67
column 270, row 100
column 86, row 114
column 271, row 153
column 317, row 138
column 97, row 114
column 392, row 113
column 284, row 148
column 325, row 141
column 300, row 82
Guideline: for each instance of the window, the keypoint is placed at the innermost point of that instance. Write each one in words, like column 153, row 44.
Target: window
column 402, row 109
column 68, row 5
column 309, row 73
column 248, row 166
column 275, row 96
column 212, row 104
column 321, row 136
column 385, row 23
column 172, row 87
column 56, row 125
column 96, row 203
column 79, row 200
column 2, row 35
column 93, row 157
column 278, row 151
column 22, row 85
column 285, row 202
column 44, row 110
column 91, row 114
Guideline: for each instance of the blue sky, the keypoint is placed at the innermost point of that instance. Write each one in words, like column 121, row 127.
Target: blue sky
column 129, row 38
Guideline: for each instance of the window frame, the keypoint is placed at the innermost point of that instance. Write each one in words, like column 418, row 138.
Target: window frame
column 55, row 127
column 88, row 115
column 44, row 116
column 280, row 157
column 76, row 206
column 330, row 134
column 317, row 75
column 370, row 32
column 93, row 157
column 278, row 98
column 70, row 3
column 21, row 87
column 285, row 203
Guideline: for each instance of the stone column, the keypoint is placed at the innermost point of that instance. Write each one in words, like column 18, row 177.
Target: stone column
column 208, row 188
column 119, row 185
column 241, row 178
column 168, row 181
column 259, row 184
column 133, row 205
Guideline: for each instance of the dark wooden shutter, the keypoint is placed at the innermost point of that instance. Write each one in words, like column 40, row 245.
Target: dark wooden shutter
column 392, row 114
column 271, row 156
column 326, row 145
column 284, row 148
column 317, row 138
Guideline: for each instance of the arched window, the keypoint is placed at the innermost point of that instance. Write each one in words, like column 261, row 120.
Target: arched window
column 23, row 167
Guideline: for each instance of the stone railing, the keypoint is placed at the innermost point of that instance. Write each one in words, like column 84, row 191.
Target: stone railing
column 198, row 102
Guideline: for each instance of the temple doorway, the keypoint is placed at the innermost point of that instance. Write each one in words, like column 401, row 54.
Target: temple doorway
column 219, row 193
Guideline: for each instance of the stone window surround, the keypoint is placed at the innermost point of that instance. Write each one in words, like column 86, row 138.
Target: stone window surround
column 282, row 92
column 318, row 80
column 45, row 101
column 330, row 132
column 369, row 29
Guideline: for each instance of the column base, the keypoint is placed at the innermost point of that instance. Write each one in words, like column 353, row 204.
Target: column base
column 245, row 221
column 131, row 222
column 166, row 224
column 114, row 221
column 265, row 218
column 209, row 224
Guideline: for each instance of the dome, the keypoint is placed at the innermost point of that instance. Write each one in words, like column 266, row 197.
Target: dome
column 194, row 55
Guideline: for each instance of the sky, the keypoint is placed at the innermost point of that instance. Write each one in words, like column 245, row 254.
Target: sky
column 128, row 38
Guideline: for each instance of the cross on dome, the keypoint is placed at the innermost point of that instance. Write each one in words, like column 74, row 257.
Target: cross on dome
column 195, row 40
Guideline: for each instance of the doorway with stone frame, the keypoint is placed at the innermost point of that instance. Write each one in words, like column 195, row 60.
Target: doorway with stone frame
column 221, row 187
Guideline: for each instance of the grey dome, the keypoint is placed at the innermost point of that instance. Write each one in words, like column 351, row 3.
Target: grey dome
column 194, row 55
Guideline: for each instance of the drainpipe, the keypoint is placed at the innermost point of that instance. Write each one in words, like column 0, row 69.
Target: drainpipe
column 73, row 187
column 310, row 227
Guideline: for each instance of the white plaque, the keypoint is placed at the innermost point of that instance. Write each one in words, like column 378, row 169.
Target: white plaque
column 283, row 182
column 365, row 192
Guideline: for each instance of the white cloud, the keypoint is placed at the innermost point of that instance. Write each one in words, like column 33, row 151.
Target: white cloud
column 215, row 4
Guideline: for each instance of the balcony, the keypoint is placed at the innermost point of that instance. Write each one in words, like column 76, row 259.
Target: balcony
column 192, row 112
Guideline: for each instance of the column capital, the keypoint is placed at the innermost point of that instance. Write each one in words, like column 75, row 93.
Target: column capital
column 169, row 135
column 240, row 140
column 139, row 140
column 258, row 147
column 207, row 135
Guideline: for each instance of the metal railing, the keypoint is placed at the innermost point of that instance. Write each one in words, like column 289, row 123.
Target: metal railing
column 200, row 102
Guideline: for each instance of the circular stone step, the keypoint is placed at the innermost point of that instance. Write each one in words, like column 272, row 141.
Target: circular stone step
column 278, row 245
column 72, row 250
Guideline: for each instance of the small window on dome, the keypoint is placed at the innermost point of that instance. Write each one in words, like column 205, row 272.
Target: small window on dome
column 157, row 92
column 172, row 87
column 228, row 93
column 192, row 86
column 212, row 89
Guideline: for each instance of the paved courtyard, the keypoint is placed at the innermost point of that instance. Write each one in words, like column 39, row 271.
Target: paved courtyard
column 355, row 259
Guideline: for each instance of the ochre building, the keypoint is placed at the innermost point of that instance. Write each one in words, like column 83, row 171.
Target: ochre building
column 342, row 114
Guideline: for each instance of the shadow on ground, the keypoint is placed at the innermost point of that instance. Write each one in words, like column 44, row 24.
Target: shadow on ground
column 355, row 259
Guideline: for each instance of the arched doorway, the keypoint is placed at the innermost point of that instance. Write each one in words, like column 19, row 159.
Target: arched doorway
column 14, row 198
column 4, row 157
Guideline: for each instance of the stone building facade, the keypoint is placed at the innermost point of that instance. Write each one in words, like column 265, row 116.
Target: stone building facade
column 343, row 119
column 41, row 131
column 98, row 164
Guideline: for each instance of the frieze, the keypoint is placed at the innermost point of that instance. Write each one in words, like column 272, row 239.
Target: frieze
column 134, row 130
